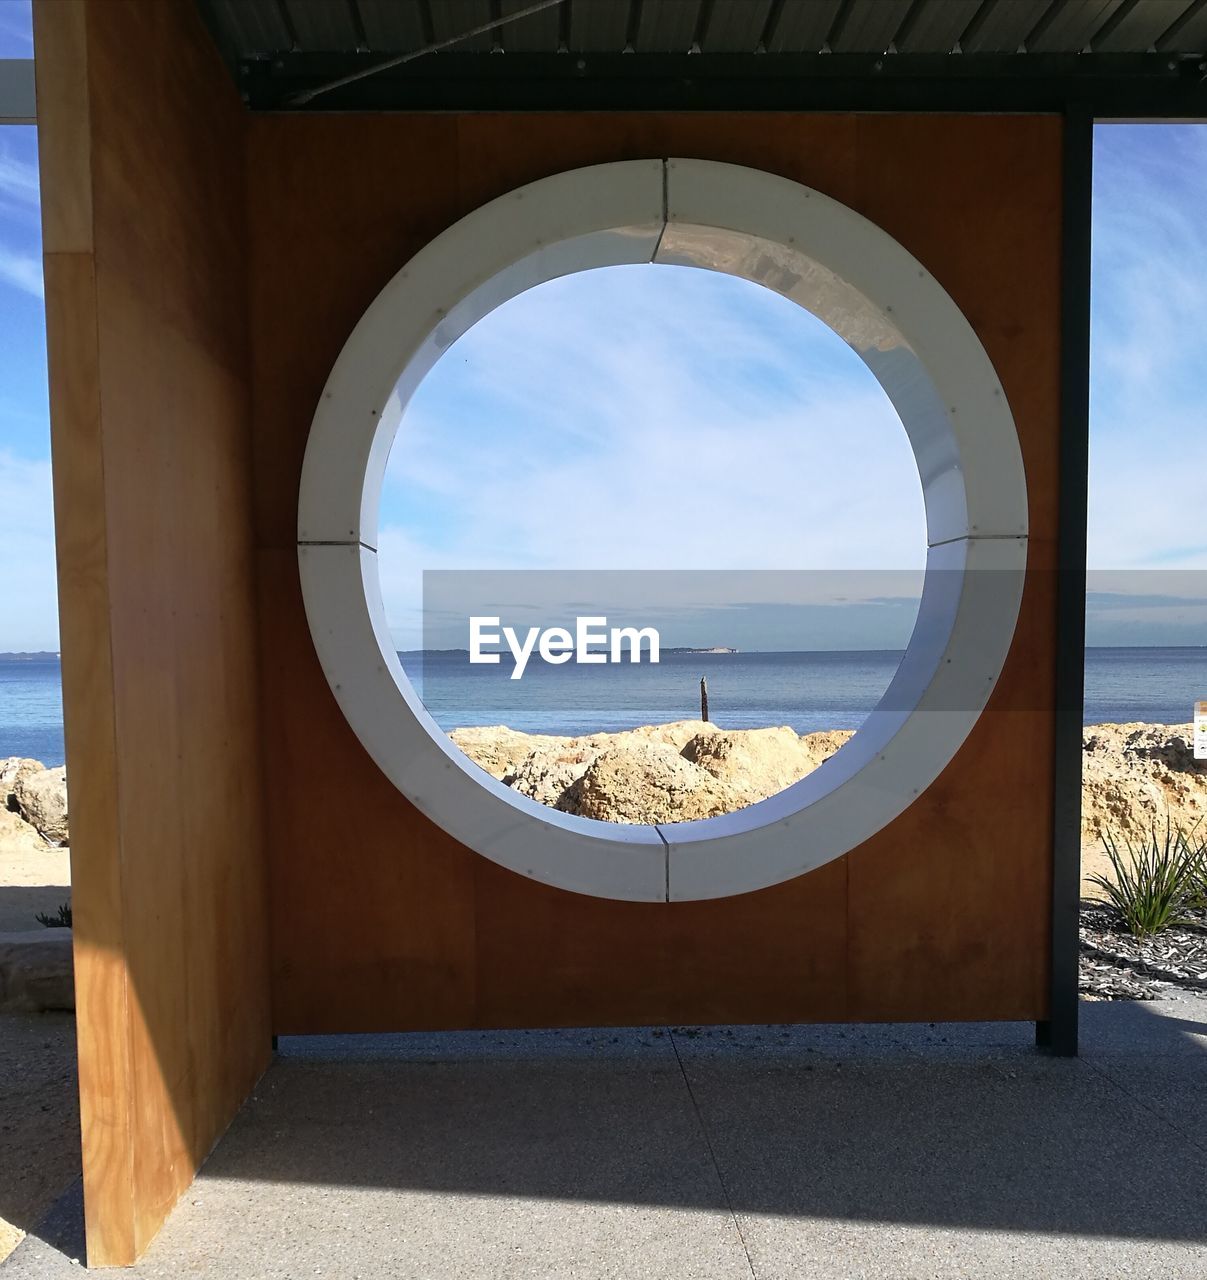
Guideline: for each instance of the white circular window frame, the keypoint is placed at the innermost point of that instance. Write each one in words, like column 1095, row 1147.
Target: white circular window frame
column 925, row 355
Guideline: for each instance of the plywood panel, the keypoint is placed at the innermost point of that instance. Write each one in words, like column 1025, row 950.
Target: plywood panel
column 151, row 431
column 944, row 914
column 392, row 933
column 988, row 226
column 64, row 136
column 378, row 919
column 87, row 670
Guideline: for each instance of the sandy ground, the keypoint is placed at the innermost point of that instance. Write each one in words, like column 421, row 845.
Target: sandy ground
column 1093, row 862
column 30, row 883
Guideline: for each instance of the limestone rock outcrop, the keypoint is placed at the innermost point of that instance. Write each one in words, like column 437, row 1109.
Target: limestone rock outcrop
column 644, row 781
column 1134, row 775
column 547, row 773
column 41, row 799
column 17, row 836
column 761, row 762
column 12, row 771
column 498, row 749
column 655, row 773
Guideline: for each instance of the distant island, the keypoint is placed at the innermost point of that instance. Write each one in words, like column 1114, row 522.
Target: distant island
column 718, row 648
column 43, row 656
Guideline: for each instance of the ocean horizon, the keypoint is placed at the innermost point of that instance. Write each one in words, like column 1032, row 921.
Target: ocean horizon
column 807, row 690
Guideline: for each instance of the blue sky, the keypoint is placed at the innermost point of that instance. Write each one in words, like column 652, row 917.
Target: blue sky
column 661, row 417
column 654, row 417
column 648, row 417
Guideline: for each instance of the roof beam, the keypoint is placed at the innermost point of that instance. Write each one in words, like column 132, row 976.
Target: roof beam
column 703, row 19
column 1112, row 24
column 767, row 36
column 1047, row 18
column 841, row 21
column 633, row 26
column 978, row 20
column 287, row 23
column 358, row 24
column 17, row 102
column 1106, row 85
column 304, row 96
column 1188, row 15
column 908, row 23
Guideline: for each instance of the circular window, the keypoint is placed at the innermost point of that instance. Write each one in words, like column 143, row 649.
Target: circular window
column 908, row 332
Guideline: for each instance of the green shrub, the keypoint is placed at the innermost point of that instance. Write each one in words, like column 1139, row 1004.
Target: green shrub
column 1153, row 882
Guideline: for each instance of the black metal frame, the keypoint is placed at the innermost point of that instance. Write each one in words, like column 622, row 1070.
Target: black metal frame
column 1118, row 86
column 1058, row 1033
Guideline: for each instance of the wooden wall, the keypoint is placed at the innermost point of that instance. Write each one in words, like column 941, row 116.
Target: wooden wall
column 382, row 922
column 239, row 863
column 141, row 141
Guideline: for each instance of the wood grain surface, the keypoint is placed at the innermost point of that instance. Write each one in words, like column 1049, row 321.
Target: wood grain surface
column 379, row 920
column 141, row 140
column 231, row 838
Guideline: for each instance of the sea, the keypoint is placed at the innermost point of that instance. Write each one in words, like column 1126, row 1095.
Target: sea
column 808, row 691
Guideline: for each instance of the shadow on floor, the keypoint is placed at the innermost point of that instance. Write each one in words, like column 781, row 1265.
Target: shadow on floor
column 776, row 1147
column 39, row 1114
column 20, row 905
column 961, row 1127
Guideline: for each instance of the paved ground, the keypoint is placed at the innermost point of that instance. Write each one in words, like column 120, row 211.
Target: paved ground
column 39, row 1118
column 768, row 1152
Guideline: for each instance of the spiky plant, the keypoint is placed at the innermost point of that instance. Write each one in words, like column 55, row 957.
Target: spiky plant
column 1152, row 882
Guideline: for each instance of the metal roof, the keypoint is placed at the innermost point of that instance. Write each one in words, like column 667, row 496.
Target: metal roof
column 280, row 48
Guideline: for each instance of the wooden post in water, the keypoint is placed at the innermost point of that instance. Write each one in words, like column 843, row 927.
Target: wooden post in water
column 703, row 697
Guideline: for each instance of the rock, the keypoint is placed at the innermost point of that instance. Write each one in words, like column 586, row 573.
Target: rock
column 822, row 745
column 1133, row 775
column 648, row 782
column 12, row 771
column 42, row 800
column 17, row 836
column 760, row 762
column 36, row 972
column 729, row 769
column 547, row 773
column 677, row 734
column 498, row 749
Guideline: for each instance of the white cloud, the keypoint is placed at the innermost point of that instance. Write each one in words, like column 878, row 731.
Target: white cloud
column 20, row 251
column 22, row 271
column 18, row 178
column 29, row 601
column 1149, row 426
column 648, row 419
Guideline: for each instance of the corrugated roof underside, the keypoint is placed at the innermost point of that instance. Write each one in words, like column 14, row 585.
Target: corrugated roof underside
column 259, row 28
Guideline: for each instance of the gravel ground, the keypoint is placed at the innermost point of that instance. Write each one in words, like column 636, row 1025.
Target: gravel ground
column 1116, row 966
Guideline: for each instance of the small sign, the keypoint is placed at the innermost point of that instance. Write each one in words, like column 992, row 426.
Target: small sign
column 1200, row 730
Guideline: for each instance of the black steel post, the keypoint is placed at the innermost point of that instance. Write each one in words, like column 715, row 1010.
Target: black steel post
column 1058, row 1033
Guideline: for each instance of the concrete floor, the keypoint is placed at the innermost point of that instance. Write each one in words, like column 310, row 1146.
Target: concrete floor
column 769, row 1152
